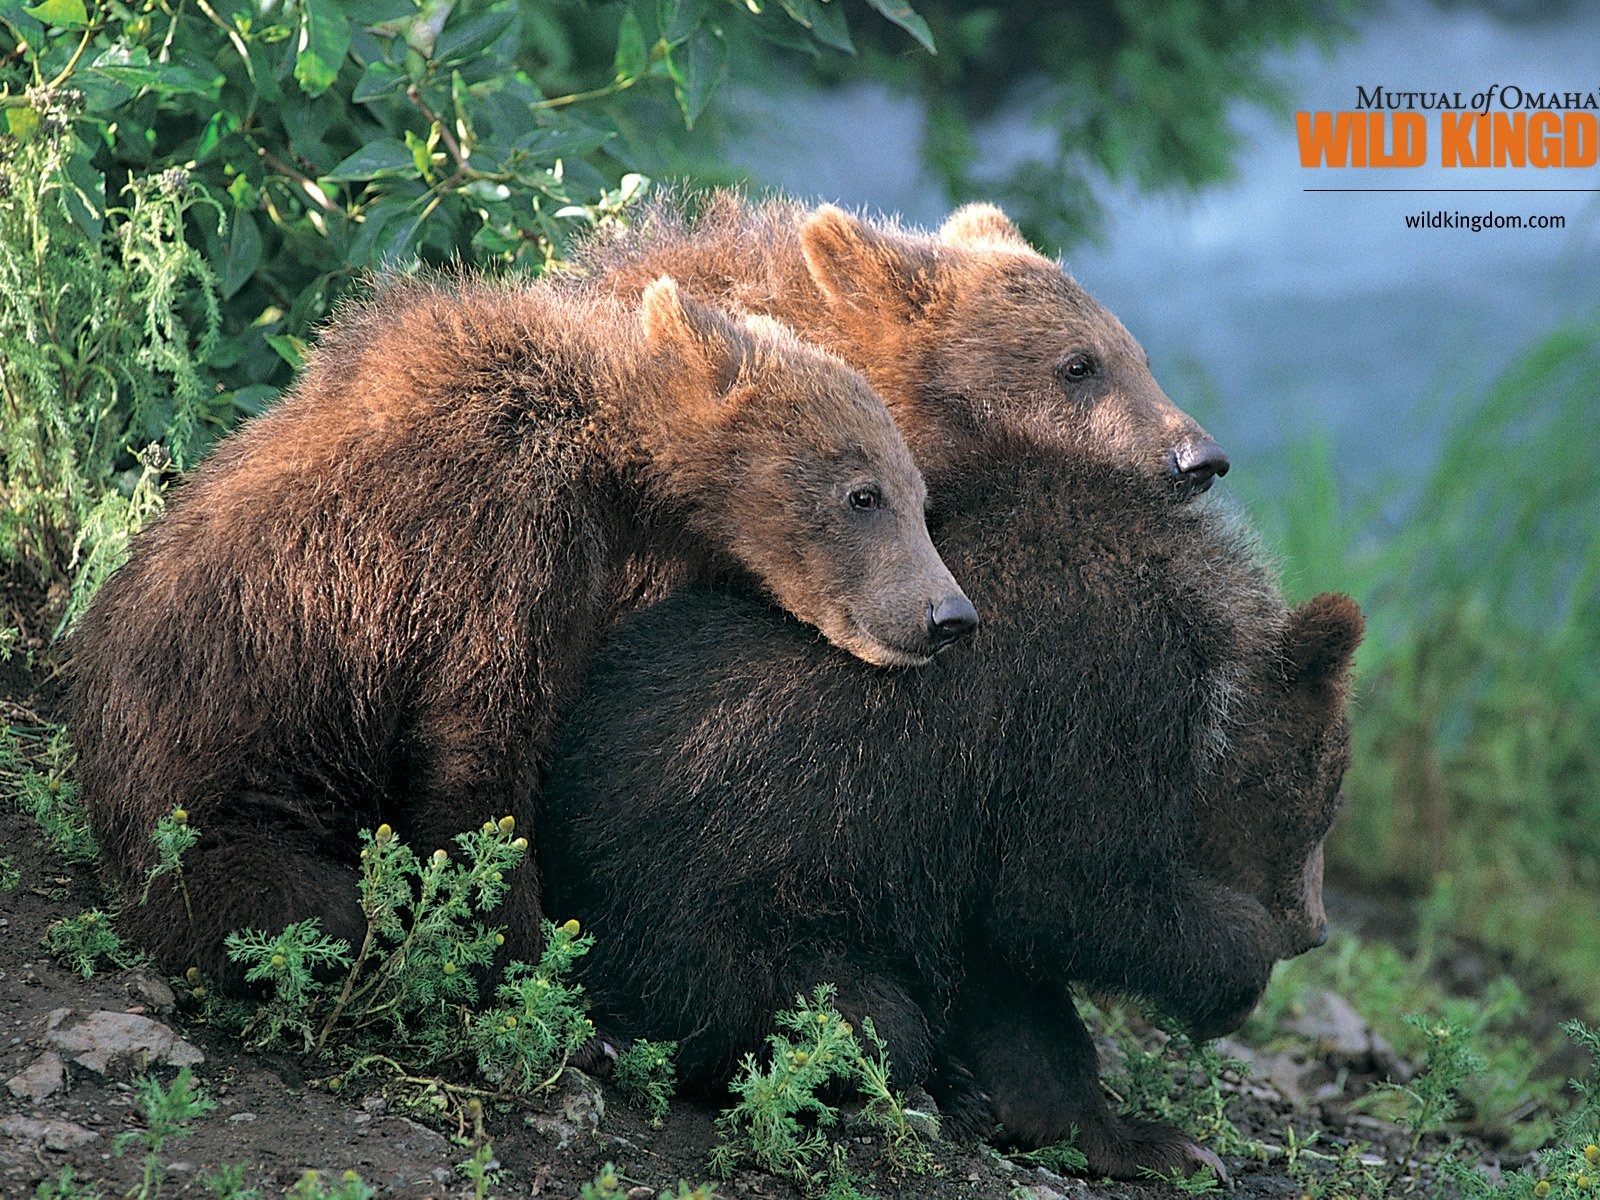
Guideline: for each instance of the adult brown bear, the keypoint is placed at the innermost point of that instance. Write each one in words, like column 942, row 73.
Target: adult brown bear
column 738, row 812
column 372, row 604
column 970, row 335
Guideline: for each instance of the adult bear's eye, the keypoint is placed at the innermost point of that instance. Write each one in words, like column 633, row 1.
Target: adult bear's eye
column 1078, row 367
column 866, row 498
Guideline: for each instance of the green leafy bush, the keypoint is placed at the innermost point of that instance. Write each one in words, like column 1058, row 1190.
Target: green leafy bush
column 780, row 1122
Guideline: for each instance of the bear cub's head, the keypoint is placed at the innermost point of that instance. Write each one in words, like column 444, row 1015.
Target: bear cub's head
column 988, row 334
column 785, row 458
column 1279, row 787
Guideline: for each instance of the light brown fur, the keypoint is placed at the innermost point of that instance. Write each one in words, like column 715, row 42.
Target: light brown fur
column 372, row 603
column 965, row 333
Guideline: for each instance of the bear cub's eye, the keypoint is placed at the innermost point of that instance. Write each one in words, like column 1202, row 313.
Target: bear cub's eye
column 866, row 498
column 1078, row 367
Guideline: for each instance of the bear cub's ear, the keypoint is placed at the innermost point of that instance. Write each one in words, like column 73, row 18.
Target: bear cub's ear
column 974, row 226
column 1320, row 640
column 863, row 269
column 707, row 340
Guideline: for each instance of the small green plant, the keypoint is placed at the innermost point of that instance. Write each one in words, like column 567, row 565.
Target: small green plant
column 523, row 1041
column 780, row 1121
column 646, row 1074
column 349, row 1186
column 1348, row 1174
column 1203, row 1182
column 65, row 1186
column 84, row 941
column 228, row 1183
column 173, row 837
column 1180, row 1081
column 607, row 1185
column 1434, row 1096
column 481, row 1167
column 1064, row 1157
column 289, row 962
column 167, row 1113
column 10, row 876
column 1569, row 1167
column 35, row 768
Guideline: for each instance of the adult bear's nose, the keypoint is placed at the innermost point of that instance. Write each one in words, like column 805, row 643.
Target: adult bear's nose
column 950, row 619
column 1196, row 463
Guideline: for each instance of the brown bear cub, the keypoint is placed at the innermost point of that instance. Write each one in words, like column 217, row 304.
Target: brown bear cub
column 737, row 817
column 970, row 335
column 374, row 603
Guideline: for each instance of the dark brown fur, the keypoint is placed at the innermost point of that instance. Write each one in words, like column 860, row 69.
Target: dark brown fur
column 738, row 814
column 373, row 603
column 965, row 333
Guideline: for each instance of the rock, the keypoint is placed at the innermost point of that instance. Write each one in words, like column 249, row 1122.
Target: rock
column 582, row 1107
column 1039, row 1191
column 52, row 1135
column 1341, row 1034
column 114, row 1043
column 150, row 990
column 44, row 1078
column 1281, row 1072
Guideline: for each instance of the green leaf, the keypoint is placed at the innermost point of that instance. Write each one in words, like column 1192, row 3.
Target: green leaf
column 547, row 145
column 462, row 40
column 696, row 66
column 904, row 16
column 254, row 399
column 633, row 58
column 241, row 253
column 69, row 14
column 134, row 68
column 421, row 154
column 679, row 18
column 22, row 122
column 324, row 41
column 825, row 20
column 381, row 79
column 383, row 156
column 290, row 348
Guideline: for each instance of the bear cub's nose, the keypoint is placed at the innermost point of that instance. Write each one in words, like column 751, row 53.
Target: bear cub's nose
column 1197, row 463
column 950, row 619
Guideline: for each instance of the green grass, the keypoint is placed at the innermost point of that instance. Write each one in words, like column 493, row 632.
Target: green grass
column 1477, row 724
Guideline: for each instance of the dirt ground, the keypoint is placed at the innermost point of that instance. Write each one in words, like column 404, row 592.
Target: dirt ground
column 276, row 1121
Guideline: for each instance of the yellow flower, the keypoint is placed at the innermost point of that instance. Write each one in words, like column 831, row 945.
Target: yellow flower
column 499, row 939
column 507, row 824
column 180, row 817
column 571, row 928
column 511, row 1021
column 1542, row 1188
column 385, row 834
column 279, row 961
column 520, row 843
column 1592, row 1153
column 440, row 858
column 449, row 968
column 488, row 827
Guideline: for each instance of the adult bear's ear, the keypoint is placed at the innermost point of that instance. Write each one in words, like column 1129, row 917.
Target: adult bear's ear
column 861, row 268
column 1319, row 642
column 707, row 340
column 976, row 226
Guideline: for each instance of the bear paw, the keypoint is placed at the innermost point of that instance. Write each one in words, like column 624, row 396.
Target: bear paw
column 966, row 1111
column 1125, row 1148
